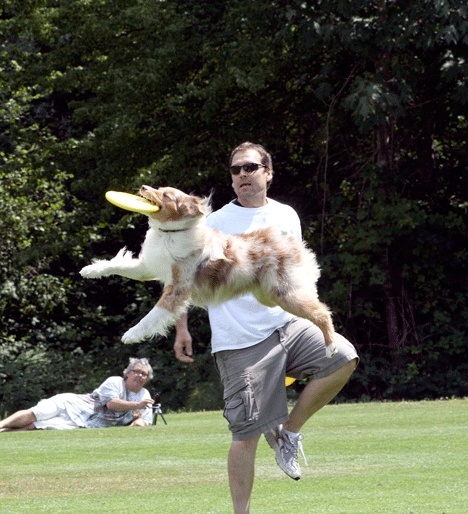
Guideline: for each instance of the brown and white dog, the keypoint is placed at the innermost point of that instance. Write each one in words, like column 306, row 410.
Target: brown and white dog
column 202, row 266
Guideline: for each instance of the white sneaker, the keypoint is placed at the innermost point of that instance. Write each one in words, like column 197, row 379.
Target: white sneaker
column 286, row 448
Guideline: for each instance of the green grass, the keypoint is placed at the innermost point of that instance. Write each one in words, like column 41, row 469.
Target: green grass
column 374, row 458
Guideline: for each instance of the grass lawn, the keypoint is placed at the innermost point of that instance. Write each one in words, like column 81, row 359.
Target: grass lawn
column 374, row 458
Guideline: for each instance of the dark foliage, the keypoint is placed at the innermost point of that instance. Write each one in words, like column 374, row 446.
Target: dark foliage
column 363, row 107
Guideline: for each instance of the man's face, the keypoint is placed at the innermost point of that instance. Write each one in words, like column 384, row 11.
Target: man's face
column 249, row 185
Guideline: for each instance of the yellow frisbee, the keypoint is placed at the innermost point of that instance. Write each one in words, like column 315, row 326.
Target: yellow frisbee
column 130, row 202
column 288, row 381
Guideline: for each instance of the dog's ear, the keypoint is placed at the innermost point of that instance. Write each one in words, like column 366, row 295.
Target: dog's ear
column 206, row 205
column 195, row 206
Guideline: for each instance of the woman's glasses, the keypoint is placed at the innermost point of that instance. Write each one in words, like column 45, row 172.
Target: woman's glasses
column 140, row 372
column 249, row 167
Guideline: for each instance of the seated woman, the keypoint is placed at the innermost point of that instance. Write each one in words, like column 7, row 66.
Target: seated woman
column 116, row 402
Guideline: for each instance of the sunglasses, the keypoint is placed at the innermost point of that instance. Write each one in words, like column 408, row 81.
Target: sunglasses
column 249, row 167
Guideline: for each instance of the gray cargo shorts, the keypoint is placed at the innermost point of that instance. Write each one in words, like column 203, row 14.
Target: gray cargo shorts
column 253, row 378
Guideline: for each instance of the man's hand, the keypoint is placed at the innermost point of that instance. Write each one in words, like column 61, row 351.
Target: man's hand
column 183, row 341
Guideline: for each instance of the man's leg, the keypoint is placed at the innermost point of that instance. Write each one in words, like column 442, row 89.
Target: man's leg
column 286, row 440
column 317, row 394
column 241, row 471
column 21, row 420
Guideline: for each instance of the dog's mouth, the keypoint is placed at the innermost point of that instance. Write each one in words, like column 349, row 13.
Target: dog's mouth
column 149, row 195
column 151, row 201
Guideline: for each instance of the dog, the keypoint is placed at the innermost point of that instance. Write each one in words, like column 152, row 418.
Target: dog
column 202, row 266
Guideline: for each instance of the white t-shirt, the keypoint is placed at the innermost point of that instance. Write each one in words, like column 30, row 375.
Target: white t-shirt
column 243, row 321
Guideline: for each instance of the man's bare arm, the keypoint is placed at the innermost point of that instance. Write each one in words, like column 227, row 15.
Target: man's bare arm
column 183, row 341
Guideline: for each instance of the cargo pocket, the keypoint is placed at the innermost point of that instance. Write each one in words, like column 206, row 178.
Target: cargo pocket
column 239, row 405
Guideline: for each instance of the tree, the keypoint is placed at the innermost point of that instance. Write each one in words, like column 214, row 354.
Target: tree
column 362, row 104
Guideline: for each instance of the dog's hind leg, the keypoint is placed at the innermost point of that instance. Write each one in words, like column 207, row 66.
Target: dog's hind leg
column 172, row 304
column 314, row 310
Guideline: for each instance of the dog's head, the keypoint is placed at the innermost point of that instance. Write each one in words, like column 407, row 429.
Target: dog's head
column 176, row 209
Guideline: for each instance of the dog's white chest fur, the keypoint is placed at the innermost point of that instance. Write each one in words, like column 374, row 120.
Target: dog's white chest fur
column 161, row 251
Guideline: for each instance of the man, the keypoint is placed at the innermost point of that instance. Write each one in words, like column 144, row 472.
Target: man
column 255, row 346
column 116, row 402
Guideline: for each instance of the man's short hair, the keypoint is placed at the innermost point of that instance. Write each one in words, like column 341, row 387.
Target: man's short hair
column 264, row 155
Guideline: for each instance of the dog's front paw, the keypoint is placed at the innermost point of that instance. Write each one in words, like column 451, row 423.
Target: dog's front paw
column 134, row 335
column 95, row 270
column 156, row 322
